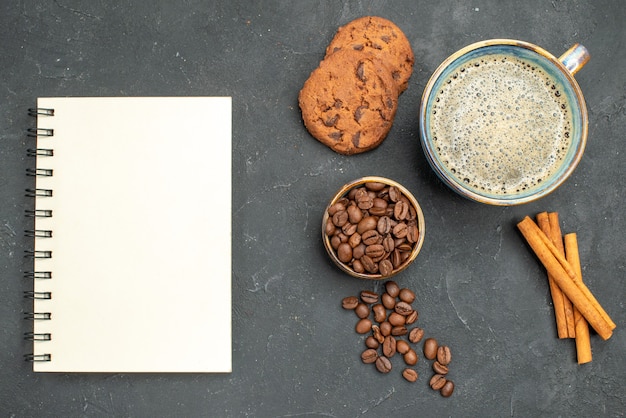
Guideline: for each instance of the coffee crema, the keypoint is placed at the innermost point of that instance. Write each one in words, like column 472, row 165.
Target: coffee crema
column 501, row 124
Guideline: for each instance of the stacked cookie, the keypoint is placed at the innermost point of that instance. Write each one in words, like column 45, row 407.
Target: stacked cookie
column 349, row 102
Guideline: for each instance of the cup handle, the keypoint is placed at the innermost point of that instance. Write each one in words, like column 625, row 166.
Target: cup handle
column 575, row 58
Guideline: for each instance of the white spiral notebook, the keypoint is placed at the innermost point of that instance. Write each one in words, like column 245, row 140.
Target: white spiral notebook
column 132, row 235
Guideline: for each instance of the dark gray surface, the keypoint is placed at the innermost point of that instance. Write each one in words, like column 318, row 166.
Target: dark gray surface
column 294, row 351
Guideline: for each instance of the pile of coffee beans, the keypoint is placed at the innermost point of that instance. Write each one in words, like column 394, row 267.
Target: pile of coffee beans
column 389, row 320
column 373, row 229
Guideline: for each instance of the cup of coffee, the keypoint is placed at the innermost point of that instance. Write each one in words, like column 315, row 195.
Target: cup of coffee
column 504, row 122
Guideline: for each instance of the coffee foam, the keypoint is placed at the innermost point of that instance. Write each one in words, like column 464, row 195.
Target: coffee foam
column 501, row 124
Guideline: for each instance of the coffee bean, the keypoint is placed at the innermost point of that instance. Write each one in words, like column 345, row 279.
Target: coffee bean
column 369, row 356
column 370, row 237
column 403, row 308
column 349, row 302
column 377, row 334
column 402, row 346
column 364, row 201
column 371, row 342
column 348, row 229
column 384, row 225
column 369, row 297
column 440, row 368
column 369, row 264
column 358, row 266
column 375, row 186
column 367, row 224
column 412, row 234
column 385, row 267
column 409, row 374
column 447, row 389
column 416, row 335
column 385, row 328
column 344, row 252
column 380, row 313
column 362, row 311
column 389, row 301
column 400, row 230
column 330, row 227
column 336, row 208
column 437, row 381
column 401, row 210
column 363, row 326
column 410, row 357
column 354, row 241
column 392, row 288
column 406, row 295
column 411, row 318
column 444, row 356
column 373, row 251
column 383, row 364
column 354, row 214
column 395, row 319
column 394, row 194
column 389, row 346
column 340, row 218
column 430, row 348
column 358, row 252
column 389, row 244
column 399, row 330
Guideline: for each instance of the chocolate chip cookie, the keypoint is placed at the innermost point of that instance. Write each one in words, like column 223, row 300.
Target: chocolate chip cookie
column 349, row 102
column 381, row 37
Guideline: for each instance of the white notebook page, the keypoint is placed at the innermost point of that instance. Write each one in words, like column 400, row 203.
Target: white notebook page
column 141, row 245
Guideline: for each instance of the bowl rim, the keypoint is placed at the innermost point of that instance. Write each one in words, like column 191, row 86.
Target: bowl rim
column 469, row 193
column 419, row 217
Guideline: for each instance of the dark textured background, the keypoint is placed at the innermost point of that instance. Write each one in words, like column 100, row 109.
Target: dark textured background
column 479, row 288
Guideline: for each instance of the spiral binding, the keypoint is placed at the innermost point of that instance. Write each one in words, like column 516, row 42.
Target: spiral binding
column 38, row 233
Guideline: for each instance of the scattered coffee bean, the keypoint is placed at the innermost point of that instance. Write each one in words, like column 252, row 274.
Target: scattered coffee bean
column 349, row 302
column 385, row 328
column 383, row 364
column 369, row 356
column 369, row 297
column 389, row 346
column 412, row 317
column 371, row 342
column 409, row 374
column 416, row 335
column 430, row 348
column 443, row 355
column 363, row 326
column 362, row 311
column 402, row 346
column 437, row 381
column 388, row 333
column 447, row 389
column 406, row 295
column 399, row 330
column 392, row 289
column 410, row 357
column 439, row 368
column 380, row 313
column 395, row 319
column 378, row 334
column 403, row 308
column 389, row 301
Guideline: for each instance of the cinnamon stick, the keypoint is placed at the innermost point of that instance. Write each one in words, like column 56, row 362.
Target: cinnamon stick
column 557, row 240
column 557, row 296
column 583, row 342
column 566, row 278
